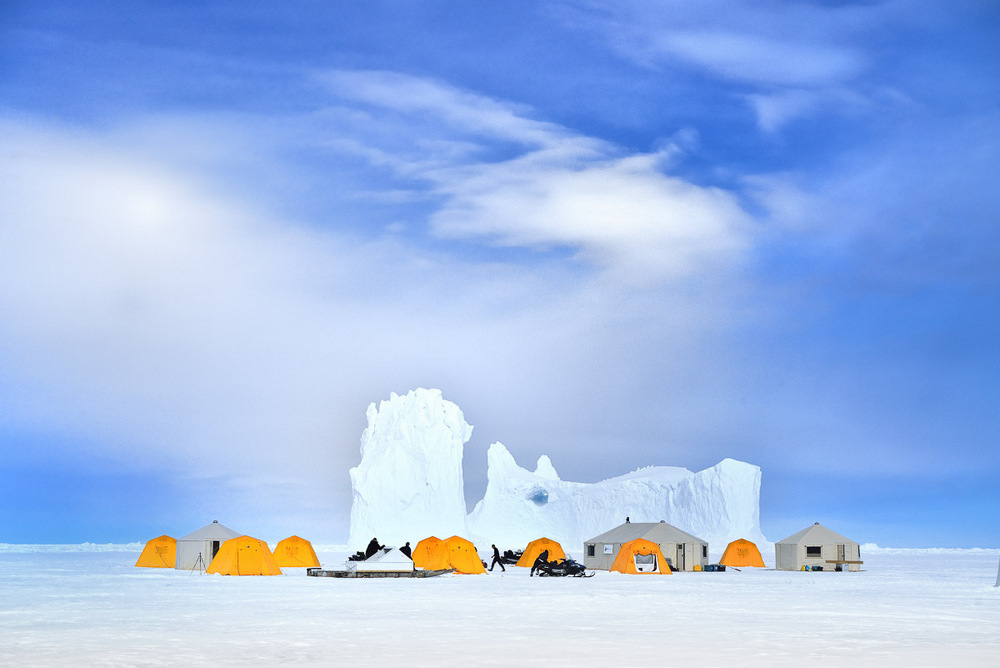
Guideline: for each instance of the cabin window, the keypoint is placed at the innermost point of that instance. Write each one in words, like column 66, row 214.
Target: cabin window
column 814, row 551
column 590, row 550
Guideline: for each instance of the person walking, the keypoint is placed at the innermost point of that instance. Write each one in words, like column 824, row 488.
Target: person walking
column 497, row 560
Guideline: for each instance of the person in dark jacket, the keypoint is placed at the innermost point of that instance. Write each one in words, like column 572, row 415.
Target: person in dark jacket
column 406, row 550
column 497, row 560
column 373, row 547
column 540, row 562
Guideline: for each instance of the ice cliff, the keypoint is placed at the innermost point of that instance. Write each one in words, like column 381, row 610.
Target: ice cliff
column 719, row 504
column 409, row 486
column 409, row 483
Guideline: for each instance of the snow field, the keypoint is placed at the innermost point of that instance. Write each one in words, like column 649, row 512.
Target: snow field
column 911, row 608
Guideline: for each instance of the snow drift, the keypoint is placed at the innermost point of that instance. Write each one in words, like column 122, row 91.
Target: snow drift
column 409, row 486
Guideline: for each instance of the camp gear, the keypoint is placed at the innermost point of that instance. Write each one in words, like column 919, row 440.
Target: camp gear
column 536, row 547
column 741, row 552
column 295, row 552
column 196, row 550
column 160, row 552
column 640, row 556
column 563, row 568
column 244, row 555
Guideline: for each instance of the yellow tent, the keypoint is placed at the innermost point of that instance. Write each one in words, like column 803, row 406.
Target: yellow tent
column 462, row 556
column 159, row 553
column 742, row 553
column 295, row 552
column 435, row 554
column 430, row 554
column 640, row 556
column 244, row 556
column 538, row 546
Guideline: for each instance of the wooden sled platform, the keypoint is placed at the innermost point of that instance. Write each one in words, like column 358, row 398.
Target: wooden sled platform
column 320, row 573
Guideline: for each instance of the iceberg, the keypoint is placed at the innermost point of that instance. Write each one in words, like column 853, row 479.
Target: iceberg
column 409, row 483
column 718, row 504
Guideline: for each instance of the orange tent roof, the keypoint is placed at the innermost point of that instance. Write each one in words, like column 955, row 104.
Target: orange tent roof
column 295, row 552
column 462, row 556
column 430, row 554
column 159, row 552
column 536, row 547
column 625, row 560
column 742, row 552
column 244, row 556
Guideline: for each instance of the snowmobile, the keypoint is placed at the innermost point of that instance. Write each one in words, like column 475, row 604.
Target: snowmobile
column 511, row 558
column 564, row 568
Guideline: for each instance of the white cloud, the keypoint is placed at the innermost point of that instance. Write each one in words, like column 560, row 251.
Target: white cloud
column 620, row 213
column 775, row 110
column 167, row 326
column 453, row 107
column 787, row 60
column 763, row 60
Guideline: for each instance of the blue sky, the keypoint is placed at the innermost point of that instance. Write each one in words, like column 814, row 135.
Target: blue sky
column 617, row 233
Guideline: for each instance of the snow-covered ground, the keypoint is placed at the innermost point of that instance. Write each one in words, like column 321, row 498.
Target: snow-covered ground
column 92, row 607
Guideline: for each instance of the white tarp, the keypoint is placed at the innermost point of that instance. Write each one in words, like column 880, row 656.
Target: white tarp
column 387, row 559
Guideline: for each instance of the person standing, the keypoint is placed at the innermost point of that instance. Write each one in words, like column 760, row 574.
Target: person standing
column 373, row 547
column 497, row 560
column 406, row 550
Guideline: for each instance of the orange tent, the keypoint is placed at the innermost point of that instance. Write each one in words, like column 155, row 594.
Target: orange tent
column 244, row 556
column 462, row 556
column 295, row 552
column 536, row 547
column 640, row 556
column 742, row 552
column 435, row 554
column 430, row 554
column 159, row 553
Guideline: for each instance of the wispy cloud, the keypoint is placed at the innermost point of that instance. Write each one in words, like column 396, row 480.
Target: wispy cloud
column 174, row 327
column 462, row 111
column 788, row 60
column 624, row 214
column 762, row 60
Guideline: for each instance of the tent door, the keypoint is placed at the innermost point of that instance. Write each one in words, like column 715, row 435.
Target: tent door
column 215, row 548
column 645, row 563
column 841, row 552
column 680, row 557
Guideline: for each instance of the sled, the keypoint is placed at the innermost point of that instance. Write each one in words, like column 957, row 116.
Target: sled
column 320, row 573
